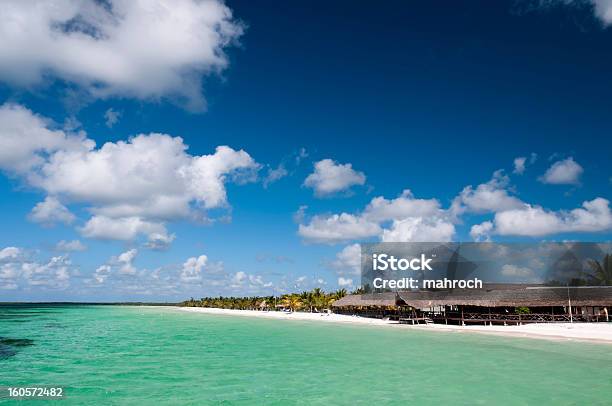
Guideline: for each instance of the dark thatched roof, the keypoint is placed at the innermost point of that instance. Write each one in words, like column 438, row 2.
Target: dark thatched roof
column 489, row 296
column 369, row 300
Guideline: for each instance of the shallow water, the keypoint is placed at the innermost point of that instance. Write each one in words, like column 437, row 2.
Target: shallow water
column 136, row 355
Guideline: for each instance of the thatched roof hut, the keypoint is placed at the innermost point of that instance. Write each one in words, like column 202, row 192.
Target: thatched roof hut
column 387, row 299
column 493, row 295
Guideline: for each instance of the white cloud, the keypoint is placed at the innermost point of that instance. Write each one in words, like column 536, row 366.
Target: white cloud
column 102, row 273
column 257, row 281
column 111, row 117
column 51, row 211
column 348, row 260
column 192, row 268
column 492, row 196
column 565, row 172
column 419, row 229
column 239, row 278
column 521, row 162
column 345, row 282
column 132, row 187
column 55, row 274
column 519, row 165
column 381, row 209
column 124, row 228
column 482, row 231
column 330, row 177
column 27, row 139
column 603, row 10
column 18, row 269
column 149, row 175
column 70, row 246
column 10, row 253
column 119, row 268
column 410, row 219
column 301, row 155
column 159, row 241
column 300, row 214
column 125, row 262
column 244, row 282
column 535, row 221
column 337, row 228
column 148, row 49
column 275, row 174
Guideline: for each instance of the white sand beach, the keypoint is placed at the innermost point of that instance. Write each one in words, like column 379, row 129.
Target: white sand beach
column 594, row 332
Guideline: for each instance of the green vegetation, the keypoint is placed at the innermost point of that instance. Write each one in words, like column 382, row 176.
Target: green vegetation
column 523, row 310
column 315, row 300
column 602, row 271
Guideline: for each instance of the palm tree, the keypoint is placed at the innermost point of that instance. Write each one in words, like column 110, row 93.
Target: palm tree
column 340, row 293
column 315, row 298
column 292, row 301
column 602, row 271
column 308, row 300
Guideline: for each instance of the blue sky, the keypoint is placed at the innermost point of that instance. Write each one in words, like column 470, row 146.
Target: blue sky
column 338, row 108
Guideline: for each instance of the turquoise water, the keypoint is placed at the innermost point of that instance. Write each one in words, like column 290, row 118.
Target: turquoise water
column 141, row 356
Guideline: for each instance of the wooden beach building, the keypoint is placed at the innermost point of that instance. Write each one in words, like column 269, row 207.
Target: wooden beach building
column 494, row 304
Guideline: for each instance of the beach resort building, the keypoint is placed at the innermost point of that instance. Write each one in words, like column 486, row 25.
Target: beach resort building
column 500, row 304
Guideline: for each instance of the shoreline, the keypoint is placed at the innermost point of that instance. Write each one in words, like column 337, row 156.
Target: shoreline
column 600, row 333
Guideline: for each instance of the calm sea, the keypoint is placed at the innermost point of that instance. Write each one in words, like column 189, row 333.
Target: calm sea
column 142, row 356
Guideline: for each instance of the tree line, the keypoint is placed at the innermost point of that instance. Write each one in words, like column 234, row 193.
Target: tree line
column 315, row 300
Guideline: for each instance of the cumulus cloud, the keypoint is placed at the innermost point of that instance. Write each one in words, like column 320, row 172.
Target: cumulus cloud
column 419, row 229
column 603, row 11
column 195, row 275
column 51, row 211
column 159, row 241
column 10, row 253
column 258, row 281
column 330, row 177
column 125, row 261
column 123, row 228
column 348, row 261
column 131, row 187
column 338, row 228
column 102, row 273
column 492, row 196
column 564, row 172
column 345, row 282
column 19, row 269
column 482, row 231
column 535, row 221
column 70, row 246
column 242, row 280
column 192, row 268
column 147, row 49
column 238, row 279
column 404, row 218
column 26, row 139
column 121, row 265
column 406, row 205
